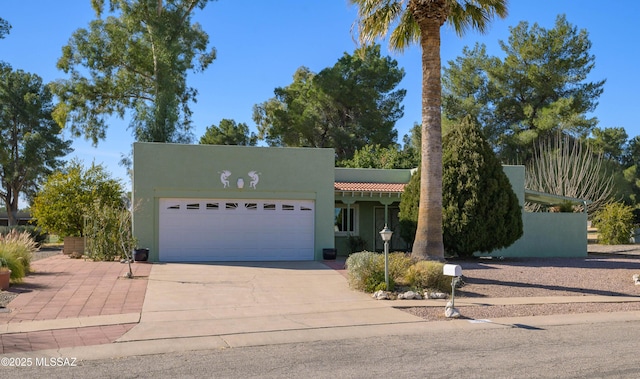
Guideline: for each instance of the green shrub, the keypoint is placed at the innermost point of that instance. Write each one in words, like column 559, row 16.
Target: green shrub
column 59, row 207
column 428, row 275
column 615, row 224
column 399, row 263
column 360, row 266
column 13, row 263
column 356, row 244
column 108, row 232
column 376, row 282
column 366, row 270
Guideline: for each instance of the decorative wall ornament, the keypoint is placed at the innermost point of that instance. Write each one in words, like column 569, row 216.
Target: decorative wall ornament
column 224, row 178
column 255, row 178
column 254, row 175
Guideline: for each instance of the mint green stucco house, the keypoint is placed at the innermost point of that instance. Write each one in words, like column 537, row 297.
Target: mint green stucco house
column 233, row 203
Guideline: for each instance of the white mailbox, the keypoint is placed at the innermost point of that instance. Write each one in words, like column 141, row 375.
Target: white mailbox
column 452, row 270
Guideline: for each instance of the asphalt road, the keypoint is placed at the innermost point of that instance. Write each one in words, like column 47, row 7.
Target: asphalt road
column 604, row 350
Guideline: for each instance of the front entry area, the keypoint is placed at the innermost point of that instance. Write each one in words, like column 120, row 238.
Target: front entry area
column 209, row 230
column 397, row 243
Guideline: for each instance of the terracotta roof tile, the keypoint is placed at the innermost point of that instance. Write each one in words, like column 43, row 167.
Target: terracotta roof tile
column 369, row 187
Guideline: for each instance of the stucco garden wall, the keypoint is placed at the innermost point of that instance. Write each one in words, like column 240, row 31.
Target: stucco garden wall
column 545, row 234
column 560, row 235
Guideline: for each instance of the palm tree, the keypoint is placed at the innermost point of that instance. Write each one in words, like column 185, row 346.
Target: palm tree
column 419, row 21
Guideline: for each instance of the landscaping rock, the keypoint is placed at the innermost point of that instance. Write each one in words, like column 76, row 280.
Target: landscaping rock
column 409, row 295
column 636, row 279
column 451, row 312
column 436, row 295
column 381, row 295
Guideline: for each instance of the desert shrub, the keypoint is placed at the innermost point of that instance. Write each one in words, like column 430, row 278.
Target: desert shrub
column 376, row 282
column 428, row 275
column 108, row 232
column 615, row 224
column 366, row 270
column 399, row 263
column 360, row 266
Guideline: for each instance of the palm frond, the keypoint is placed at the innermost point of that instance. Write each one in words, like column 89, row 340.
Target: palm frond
column 406, row 33
column 376, row 18
column 474, row 14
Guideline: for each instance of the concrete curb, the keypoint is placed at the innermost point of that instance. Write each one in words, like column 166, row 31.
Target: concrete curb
column 176, row 345
column 69, row 323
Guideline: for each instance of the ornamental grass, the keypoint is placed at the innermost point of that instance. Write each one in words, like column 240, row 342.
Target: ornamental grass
column 17, row 250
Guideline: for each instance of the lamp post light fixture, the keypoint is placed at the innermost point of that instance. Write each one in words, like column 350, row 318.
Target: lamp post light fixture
column 386, row 234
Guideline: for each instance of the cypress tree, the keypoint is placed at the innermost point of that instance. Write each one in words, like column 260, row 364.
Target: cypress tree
column 481, row 212
column 409, row 203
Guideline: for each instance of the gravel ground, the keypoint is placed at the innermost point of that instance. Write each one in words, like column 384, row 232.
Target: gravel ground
column 608, row 270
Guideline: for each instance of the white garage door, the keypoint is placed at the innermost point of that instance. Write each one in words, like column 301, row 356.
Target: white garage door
column 196, row 230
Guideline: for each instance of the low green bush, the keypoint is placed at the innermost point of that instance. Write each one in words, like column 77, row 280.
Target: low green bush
column 615, row 224
column 14, row 264
column 366, row 270
column 376, row 282
column 399, row 263
column 360, row 266
column 428, row 275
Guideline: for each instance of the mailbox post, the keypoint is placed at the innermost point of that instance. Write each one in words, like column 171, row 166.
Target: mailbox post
column 455, row 271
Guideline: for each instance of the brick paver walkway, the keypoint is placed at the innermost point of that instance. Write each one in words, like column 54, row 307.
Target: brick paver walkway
column 61, row 287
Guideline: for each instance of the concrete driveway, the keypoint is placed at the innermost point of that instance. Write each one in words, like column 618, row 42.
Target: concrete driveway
column 240, row 299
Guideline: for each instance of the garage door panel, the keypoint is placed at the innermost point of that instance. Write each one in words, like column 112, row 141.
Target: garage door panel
column 236, row 230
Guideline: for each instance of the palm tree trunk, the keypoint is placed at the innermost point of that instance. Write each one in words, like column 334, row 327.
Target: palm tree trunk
column 428, row 241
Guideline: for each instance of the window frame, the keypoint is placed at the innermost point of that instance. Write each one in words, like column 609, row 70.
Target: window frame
column 355, row 220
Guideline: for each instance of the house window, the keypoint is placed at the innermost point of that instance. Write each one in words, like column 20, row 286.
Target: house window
column 346, row 222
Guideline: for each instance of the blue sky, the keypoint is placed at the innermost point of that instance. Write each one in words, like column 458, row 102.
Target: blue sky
column 261, row 43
